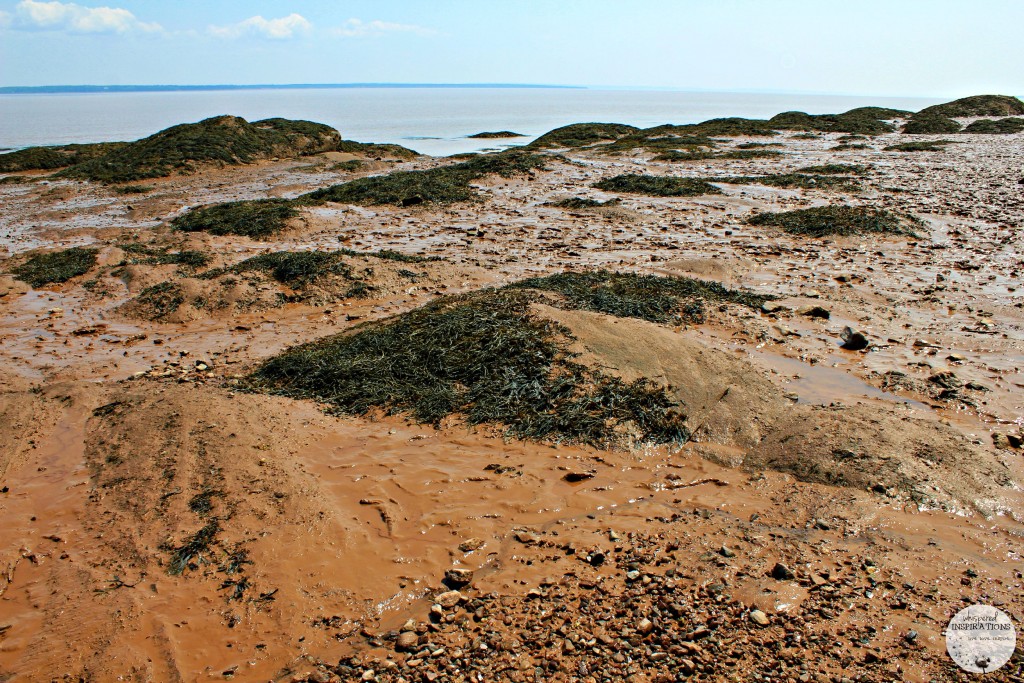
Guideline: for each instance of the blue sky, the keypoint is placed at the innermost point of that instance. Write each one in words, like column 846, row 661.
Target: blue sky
column 898, row 47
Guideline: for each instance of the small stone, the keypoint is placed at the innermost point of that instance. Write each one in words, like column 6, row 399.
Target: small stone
column 911, row 636
column 956, row 358
column 644, row 626
column 369, row 675
column 526, row 537
column 632, row 575
column 853, row 340
column 457, row 578
column 782, row 572
column 726, row 551
column 814, row 312
column 407, row 641
column 772, row 307
column 448, row 599
column 759, row 617
column 471, row 544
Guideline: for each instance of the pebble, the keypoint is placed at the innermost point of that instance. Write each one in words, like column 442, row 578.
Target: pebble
column 407, row 641
column 644, row 626
column 726, row 551
column 457, row 578
column 782, row 572
column 759, row 617
column 448, row 599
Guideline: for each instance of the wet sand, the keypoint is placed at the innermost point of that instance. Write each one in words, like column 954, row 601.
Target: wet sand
column 335, row 532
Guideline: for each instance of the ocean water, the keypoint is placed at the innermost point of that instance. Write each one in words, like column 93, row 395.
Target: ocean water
column 432, row 121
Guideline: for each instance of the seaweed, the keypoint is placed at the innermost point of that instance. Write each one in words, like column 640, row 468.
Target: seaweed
column 256, row 218
column 376, row 150
column 495, row 135
column 56, row 267
column 839, row 220
column 704, row 155
column 582, row 135
column 978, row 105
column 1006, row 126
column 790, row 180
column 660, row 186
column 629, row 295
column 134, row 189
column 583, row 203
column 930, row 123
column 441, row 185
column 484, row 357
column 392, row 255
column 220, row 140
column 834, row 169
column 920, row 146
column 297, row 269
column 51, row 158
column 161, row 299
column 193, row 549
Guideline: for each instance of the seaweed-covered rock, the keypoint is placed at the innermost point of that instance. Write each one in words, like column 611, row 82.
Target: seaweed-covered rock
column 221, row 140
column 658, row 186
column 50, row 158
column 257, row 218
column 582, row 134
column 978, row 105
column 925, row 122
column 56, row 267
column 823, row 221
column 1005, row 126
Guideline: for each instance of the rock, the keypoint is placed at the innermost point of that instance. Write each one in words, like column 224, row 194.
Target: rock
column 759, row 617
column 407, row 641
column 956, row 358
column 457, row 578
column 772, row 307
column 782, row 572
column 853, row 340
column 632, row 575
column 527, row 537
column 644, row 626
column 576, row 477
column 814, row 312
column 911, row 636
column 471, row 544
column 726, row 551
column 448, row 599
column 946, row 379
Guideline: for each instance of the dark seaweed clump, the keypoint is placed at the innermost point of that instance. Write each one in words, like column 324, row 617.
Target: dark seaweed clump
column 257, row 218
column 978, row 105
column 930, row 123
column 56, row 266
column 583, row 203
column 441, row 185
column 495, row 135
column 648, row 297
column 825, row 221
column 50, row 158
column 224, row 140
column 834, row 169
column 193, row 549
column 161, row 299
column 704, row 155
column 485, row 357
column 659, row 186
column 376, row 150
column 392, row 255
column 1006, row 126
column 582, row 134
column 790, row 180
column 297, row 268
column 141, row 254
column 920, row 146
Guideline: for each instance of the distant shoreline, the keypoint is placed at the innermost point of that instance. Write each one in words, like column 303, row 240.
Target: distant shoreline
column 73, row 89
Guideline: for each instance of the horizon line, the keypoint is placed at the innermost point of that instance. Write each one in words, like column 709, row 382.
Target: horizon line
column 169, row 87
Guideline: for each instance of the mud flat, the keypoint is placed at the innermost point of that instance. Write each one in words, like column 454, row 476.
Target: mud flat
column 691, row 403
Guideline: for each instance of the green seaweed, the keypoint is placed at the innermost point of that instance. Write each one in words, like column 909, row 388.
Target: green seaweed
column 582, row 135
column 376, row 150
column 920, row 146
column 297, row 269
column 839, row 220
column 484, row 357
column 495, row 135
column 659, row 186
column 930, row 123
column 51, row 158
column 1006, row 126
column 223, row 140
column 56, row 267
column 978, row 105
column 790, row 180
column 256, row 218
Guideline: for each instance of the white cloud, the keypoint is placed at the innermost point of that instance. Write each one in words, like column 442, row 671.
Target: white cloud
column 284, row 28
column 354, row 28
column 67, row 16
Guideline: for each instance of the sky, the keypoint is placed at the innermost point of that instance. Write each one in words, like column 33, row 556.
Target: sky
column 929, row 48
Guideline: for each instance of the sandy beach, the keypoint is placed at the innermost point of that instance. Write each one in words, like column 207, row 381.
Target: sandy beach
column 833, row 504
